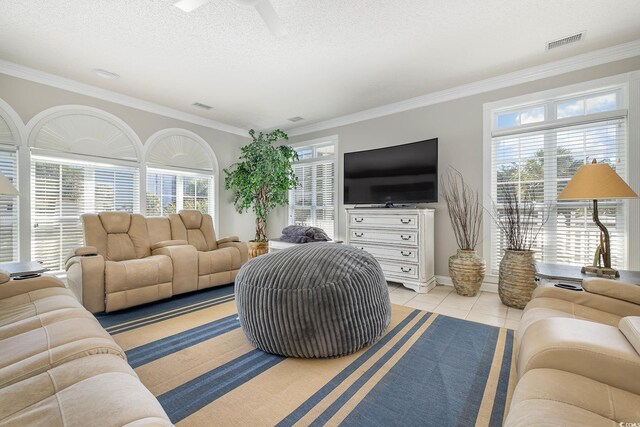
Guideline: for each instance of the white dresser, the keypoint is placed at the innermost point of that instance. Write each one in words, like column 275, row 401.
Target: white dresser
column 400, row 239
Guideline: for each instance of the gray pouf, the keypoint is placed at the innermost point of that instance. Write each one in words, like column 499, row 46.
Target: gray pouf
column 313, row 300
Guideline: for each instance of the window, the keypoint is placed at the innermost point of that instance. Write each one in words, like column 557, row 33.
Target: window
column 62, row 190
column 170, row 191
column 536, row 149
column 9, row 209
column 313, row 202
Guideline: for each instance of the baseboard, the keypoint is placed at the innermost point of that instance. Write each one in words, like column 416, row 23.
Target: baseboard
column 486, row 286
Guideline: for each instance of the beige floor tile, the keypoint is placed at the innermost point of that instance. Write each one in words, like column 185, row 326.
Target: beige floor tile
column 511, row 324
column 421, row 305
column 488, row 298
column 486, row 319
column 435, row 295
column 451, row 312
column 514, row 313
column 401, row 296
column 495, row 309
column 454, row 300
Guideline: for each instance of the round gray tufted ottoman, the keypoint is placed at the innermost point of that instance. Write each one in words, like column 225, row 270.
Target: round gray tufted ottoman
column 313, row 300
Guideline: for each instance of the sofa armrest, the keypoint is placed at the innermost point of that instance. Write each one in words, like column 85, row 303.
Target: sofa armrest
column 80, row 252
column 184, row 259
column 599, row 302
column 612, row 288
column 85, row 277
column 17, row 287
column 228, row 240
column 166, row 243
column 241, row 246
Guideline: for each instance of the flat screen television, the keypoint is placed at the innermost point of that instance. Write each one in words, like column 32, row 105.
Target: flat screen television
column 406, row 173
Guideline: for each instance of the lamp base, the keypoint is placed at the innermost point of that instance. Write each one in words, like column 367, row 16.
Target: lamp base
column 601, row 271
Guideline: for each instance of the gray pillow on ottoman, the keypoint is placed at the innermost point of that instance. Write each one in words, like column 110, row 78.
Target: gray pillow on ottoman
column 313, row 300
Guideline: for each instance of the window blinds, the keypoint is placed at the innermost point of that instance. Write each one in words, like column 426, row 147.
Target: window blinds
column 537, row 165
column 312, row 202
column 170, row 191
column 9, row 210
column 62, row 190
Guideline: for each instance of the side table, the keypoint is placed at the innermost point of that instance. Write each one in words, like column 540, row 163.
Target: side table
column 23, row 269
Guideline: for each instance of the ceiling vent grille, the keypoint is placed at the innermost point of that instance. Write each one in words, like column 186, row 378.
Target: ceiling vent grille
column 565, row 40
column 295, row 119
column 201, row 105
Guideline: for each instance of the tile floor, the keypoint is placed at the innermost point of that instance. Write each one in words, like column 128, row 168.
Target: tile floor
column 485, row 307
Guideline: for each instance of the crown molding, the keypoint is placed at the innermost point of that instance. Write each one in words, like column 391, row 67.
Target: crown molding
column 37, row 76
column 562, row 66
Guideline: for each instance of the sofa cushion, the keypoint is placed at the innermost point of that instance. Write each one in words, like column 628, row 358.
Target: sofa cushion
column 35, row 351
column 612, row 288
column 39, row 320
column 100, row 390
column 630, row 327
column 30, row 304
column 553, row 397
column 218, row 261
column 544, row 308
column 115, row 222
column 137, row 273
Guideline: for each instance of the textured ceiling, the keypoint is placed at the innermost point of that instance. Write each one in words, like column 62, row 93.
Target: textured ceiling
column 339, row 57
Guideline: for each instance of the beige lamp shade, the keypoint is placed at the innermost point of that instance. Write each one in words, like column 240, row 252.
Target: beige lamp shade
column 596, row 181
column 6, row 188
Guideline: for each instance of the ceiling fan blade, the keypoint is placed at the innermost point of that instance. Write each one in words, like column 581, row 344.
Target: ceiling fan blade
column 190, row 5
column 270, row 17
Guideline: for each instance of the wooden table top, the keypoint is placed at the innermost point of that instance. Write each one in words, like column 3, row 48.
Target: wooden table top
column 572, row 273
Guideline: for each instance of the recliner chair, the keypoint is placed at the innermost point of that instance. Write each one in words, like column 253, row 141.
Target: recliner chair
column 218, row 260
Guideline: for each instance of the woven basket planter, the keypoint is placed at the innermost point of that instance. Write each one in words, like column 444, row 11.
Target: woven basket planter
column 257, row 248
column 467, row 270
column 517, row 279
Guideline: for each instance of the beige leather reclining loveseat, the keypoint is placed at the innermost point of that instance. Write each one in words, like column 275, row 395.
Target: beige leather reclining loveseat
column 130, row 260
column 578, row 357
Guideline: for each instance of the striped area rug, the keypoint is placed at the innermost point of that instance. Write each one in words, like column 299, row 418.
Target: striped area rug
column 428, row 370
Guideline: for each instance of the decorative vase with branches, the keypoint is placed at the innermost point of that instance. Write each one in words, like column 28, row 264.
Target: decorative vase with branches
column 262, row 178
column 520, row 221
column 466, row 268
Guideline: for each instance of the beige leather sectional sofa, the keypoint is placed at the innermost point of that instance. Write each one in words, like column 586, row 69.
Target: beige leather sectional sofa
column 578, row 357
column 59, row 367
column 130, row 259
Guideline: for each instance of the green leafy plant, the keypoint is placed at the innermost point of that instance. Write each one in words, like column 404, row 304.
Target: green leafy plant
column 262, row 177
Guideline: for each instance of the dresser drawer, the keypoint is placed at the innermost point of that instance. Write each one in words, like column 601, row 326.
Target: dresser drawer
column 405, row 271
column 384, row 236
column 390, row 252
column 409, row 221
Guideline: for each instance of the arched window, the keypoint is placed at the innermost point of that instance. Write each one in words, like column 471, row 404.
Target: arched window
column 10, row 141
column 82, row 160
column 181, row 173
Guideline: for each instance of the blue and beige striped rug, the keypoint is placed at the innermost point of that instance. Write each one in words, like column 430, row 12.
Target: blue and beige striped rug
column 428, row 370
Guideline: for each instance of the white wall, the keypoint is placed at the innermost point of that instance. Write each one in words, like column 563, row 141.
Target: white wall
column 459, row 126
column 28, row 99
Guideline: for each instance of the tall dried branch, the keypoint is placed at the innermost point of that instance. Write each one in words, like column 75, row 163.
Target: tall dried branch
column 465, row 210
column 519, row 221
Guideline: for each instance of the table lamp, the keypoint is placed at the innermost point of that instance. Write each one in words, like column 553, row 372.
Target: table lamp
column 598, row 181
column 6, row 188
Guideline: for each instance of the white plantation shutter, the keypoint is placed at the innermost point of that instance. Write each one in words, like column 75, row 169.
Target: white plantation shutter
column 536, row 159
column 62, row 190
column 169, row 191
column 312, row 203
column 9, row 209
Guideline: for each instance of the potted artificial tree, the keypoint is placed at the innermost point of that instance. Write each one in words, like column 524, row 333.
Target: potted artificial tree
column 520, row 222
column 466, row 268
column 261, row 180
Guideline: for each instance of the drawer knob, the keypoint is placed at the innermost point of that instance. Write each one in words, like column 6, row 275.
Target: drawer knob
column 358, row 234
column 403, row 237
column 408, row 253
column 358, row 219
column 406, row 269
column 405, row 220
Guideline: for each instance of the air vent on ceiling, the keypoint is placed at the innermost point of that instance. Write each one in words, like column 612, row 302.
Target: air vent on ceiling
column 295, row 119
column 565, row 40
column 201, row 105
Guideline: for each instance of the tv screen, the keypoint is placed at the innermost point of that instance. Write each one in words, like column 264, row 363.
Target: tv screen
column 405, row 173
